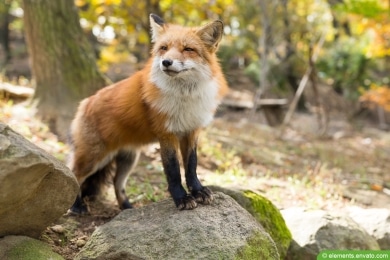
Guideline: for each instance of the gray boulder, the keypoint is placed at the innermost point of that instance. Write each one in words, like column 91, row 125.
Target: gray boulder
column 21, row 247
column 223, row 230
column 375, row 221
column 36, row 188
column 265, row 213
column 316, row 230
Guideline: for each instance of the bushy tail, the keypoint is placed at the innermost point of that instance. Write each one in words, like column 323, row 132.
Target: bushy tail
column 96, row 183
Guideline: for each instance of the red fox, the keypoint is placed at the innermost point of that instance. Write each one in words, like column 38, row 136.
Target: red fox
column 169, row 101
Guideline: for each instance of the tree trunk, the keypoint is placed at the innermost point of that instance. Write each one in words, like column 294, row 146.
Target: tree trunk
column 4, row 29
column 63, row 62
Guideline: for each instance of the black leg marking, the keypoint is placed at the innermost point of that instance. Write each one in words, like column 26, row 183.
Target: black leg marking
column 172, row 171
column 79, row 207
column 202, row 194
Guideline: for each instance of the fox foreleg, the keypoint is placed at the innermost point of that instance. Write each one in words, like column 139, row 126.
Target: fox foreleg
column 171, row 165
column 188, row 147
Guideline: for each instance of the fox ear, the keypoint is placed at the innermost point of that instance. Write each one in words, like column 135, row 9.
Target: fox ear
column 156, row 26
column 211, row 34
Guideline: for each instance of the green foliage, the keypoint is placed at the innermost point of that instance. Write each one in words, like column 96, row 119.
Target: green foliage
column 227, row 161
column 293, row 26
column 253, row 72
column 366, row 8
column 148, row 189
column 344, row 66
column 355, row 52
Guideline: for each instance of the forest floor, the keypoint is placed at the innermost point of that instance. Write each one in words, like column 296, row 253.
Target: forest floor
column 347, row 166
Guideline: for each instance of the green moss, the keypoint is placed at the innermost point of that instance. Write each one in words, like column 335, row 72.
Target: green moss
column 265, row 213
column 271, row 219
column 32, row 249
column 258, row 247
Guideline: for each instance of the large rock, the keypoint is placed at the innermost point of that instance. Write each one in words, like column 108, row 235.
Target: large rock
column 265, row 213
column 316, row 230
column 21, row 247
column 375, row 221
column 36, row 188
column 223, row 230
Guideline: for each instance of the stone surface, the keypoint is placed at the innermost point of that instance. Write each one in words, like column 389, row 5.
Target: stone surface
column 222, row 230
column 36, row 188
column 316, row 230
column 265, row 213
column 375, row 221
column 21, row 247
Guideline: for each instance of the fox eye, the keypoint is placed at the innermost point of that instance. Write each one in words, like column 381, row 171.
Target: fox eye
column 188, row 49
column 163, row 48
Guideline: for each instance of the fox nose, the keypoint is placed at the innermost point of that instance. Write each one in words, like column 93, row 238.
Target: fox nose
column 167, row 63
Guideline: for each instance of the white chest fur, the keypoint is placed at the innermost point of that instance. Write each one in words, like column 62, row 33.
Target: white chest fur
column 189, row 100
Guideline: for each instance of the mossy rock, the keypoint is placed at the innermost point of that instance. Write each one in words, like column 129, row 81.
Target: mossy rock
column 265, row 213
column 25, row 248
column 223, row 230
column 253, row 250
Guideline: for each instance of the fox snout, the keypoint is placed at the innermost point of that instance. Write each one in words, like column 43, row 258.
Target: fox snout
column 167, row 62
column 168, row 68
column 173, row 67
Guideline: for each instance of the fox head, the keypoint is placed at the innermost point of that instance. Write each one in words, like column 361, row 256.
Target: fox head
column 183, row 53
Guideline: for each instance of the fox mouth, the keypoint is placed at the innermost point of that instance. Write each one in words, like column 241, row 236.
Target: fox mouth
column 173, row 73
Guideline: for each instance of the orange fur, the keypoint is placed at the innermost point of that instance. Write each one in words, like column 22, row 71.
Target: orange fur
column 143, row 108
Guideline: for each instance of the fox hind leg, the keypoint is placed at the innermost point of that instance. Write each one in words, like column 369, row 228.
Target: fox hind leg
column 91, row 187
column 90, row 173
column 79, row 206
column 125, row 161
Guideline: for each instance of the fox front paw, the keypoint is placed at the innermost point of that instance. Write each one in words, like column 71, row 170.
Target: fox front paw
column 188, row 202
column 203, row 196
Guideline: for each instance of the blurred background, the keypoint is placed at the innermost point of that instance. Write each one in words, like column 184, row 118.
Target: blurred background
column 268, row 45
